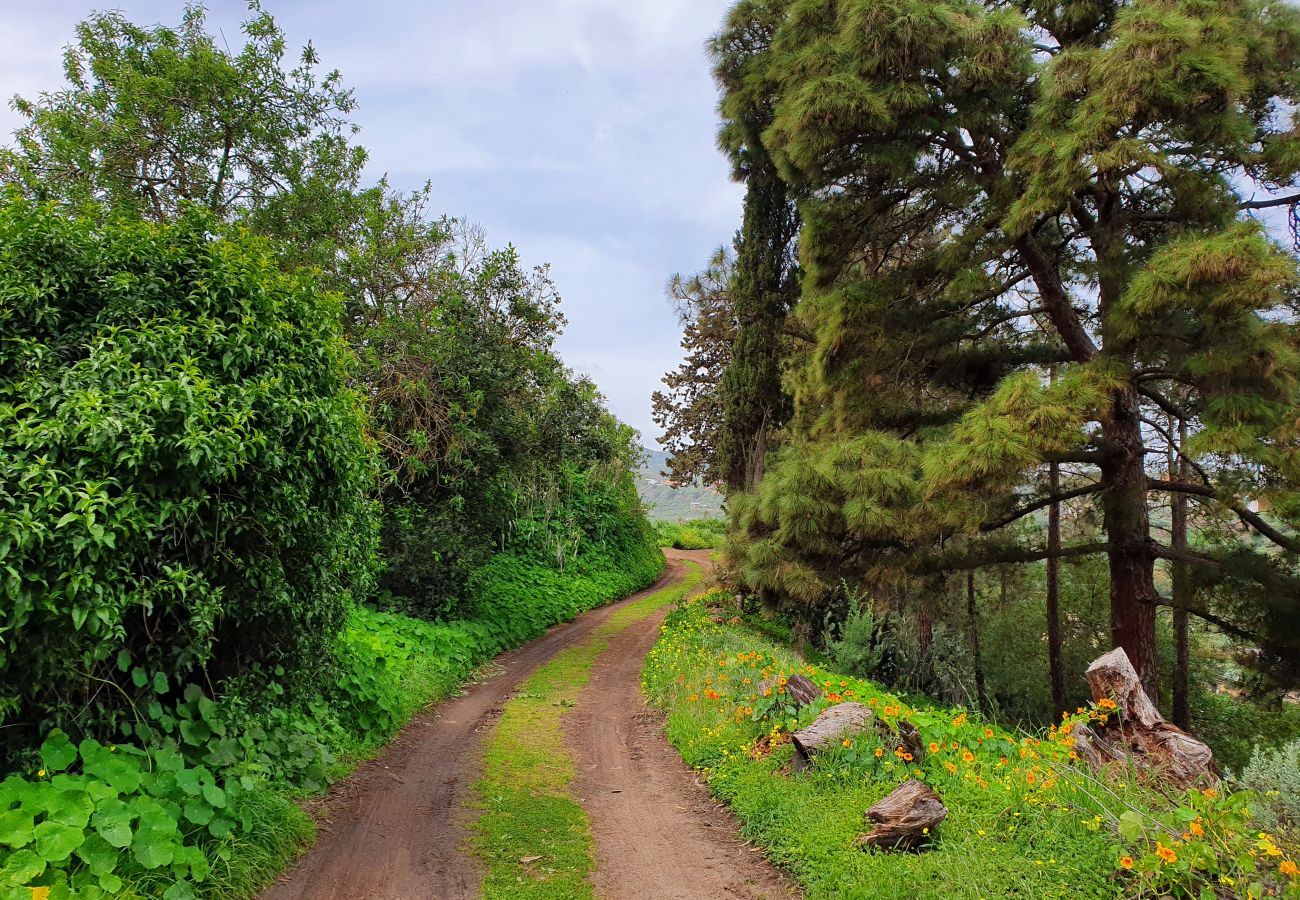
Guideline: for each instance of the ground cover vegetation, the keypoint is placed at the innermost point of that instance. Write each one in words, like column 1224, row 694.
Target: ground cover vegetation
column 1037, row 337
column 283, row 458
column 532, row 834
column 1024, row 820
column 694, row 534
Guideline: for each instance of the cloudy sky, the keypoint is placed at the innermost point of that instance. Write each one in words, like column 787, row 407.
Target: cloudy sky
column 581, row 131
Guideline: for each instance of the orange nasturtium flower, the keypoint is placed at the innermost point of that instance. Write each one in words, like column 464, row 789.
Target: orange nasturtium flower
column 934, row 748
column 1166, row 854
column 1126, row 862
column 847, row 743
column 1289, row 868
column 968, row 757
column 880, row 751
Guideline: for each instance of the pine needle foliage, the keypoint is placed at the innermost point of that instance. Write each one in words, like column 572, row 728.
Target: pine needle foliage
column 990, row 192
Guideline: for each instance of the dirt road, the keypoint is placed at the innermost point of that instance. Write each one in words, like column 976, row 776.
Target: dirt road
column 394, row 829
column 658, row 833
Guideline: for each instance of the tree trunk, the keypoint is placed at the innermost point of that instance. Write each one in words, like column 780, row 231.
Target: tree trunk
column 1181, row 588
column 1055, row 674
column 1128, row 530
column 973, row 615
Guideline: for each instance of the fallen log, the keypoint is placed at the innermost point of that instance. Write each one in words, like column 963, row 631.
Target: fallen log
column 1136, row 731
column 829, row 729
column 905, row 819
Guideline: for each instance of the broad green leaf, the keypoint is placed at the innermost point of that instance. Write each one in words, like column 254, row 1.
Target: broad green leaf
column 112, row 820
column 55, row 842
column 98, row 854
column 153, row 847
column 72, row 808
column 214, row 795
column 15, row 828
column 57, row 753
column 199, row 811
column 22, row 867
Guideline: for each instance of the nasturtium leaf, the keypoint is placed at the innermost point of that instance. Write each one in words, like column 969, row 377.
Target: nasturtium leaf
column 55, row 842
column 153, row 847
column 195, row 732
column 159, row 683
column 199, row 812
column 16, row 828
column 71, row 808
column 181, row 890
column 21, row 868
column 139, row 677
column 214, row 795
column 57, row 753
column 98, row 854
column 112, row 820
column 188, row 780
column 111, row 883
column 168, row 760
column 219, row 827
column 123, row 660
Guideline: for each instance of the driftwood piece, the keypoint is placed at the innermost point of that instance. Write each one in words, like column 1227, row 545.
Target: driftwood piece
column 798, row 689
column 840, row 721
column 905, row 819
column 1137, row 731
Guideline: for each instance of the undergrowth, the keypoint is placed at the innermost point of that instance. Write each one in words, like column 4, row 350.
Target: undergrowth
column 198, row 799
column 1024, row 820
column 534, row 837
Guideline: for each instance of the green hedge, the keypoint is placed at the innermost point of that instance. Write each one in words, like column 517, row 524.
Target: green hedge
column 183, row 469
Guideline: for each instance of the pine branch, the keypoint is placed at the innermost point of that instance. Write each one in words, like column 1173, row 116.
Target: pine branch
column 989, row 556
column 1290, row 200
column 1254, row 520
column 1065, row 319
column 1037, row 505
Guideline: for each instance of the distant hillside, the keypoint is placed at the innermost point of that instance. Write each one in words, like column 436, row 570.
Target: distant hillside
column 671, row 503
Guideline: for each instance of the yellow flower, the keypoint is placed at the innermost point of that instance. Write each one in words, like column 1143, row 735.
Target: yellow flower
column 40, row 893
column 40, row 774
column 880, row 751
column 847, row 743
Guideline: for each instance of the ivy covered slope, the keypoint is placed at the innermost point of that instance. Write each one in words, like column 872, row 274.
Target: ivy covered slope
column 1024, row 820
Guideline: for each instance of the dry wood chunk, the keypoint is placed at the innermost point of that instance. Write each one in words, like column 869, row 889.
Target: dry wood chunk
column 905, row 819
column 1137, row 731
column 798, row 689
column 830, row 728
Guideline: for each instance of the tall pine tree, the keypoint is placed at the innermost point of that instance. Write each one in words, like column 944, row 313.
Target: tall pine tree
column 989, row 190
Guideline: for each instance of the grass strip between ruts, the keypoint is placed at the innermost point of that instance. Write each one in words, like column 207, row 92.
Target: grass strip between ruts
column 534, row 838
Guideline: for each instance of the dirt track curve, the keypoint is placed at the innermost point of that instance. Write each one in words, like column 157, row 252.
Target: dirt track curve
column 394, row 829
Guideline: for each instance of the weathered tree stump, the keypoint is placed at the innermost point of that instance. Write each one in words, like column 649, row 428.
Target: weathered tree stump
column 830, row 728
column 907, row 736
column 798, row 689
column 905, row 819
column 1137, row 731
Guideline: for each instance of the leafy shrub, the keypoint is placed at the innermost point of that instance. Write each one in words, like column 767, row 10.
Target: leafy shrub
column 856, row 645
column 183, row 471
column 1274, row 776
column 697, row 534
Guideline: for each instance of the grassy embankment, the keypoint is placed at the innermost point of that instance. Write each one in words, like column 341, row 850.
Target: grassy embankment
column 1024, row 819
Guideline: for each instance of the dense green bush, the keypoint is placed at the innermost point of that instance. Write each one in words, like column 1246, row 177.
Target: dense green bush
column 697, row 534
column 183, row 471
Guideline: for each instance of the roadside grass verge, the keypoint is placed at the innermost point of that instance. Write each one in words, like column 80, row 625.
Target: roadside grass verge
column 1024, row 821
column 533, row 837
